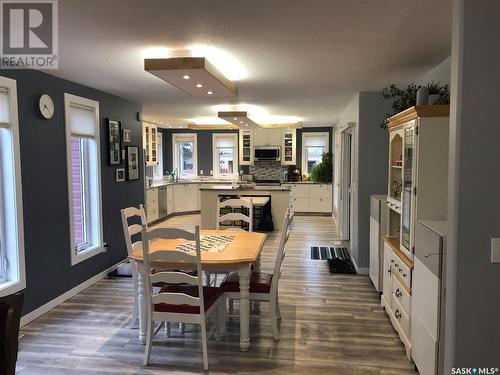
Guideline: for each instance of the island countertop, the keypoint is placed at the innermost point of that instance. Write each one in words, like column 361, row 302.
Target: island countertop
column 235, row 189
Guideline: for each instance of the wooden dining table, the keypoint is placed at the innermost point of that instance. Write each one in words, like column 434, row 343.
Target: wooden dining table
column 237, row 256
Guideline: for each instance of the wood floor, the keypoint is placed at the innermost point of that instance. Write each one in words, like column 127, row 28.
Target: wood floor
column 331, row 324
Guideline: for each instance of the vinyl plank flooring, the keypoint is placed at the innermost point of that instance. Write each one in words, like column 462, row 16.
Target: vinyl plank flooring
column 332, row 324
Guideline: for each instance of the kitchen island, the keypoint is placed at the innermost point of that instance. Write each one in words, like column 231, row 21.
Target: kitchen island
column 279, row 195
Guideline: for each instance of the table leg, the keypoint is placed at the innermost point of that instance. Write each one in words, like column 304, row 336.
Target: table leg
column 244, row 276
column 142, row 302
column 256, row 265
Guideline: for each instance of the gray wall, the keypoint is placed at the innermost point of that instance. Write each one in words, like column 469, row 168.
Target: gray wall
column 440, row 73
column 473, row 283
column 45, row 187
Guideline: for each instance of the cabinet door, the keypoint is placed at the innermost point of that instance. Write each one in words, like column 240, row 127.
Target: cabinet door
column 154, row 145
column 260, row 137
column 320, row 191
column 300, row 191
column 180, row 198
column 300, row 204
column 146, row 140
column 192, row 197
column 246, row 147
column 374, row 253
column 387, row 283
column 170, row 199
column 288, row 147
column 408, row 197
column 274, row 137
column 323, row 205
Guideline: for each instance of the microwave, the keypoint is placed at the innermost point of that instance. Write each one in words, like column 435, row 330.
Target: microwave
column 267, row 153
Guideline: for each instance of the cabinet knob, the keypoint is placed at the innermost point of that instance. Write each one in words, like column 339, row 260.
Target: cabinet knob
column 389, row 271
column 398, row 293
column 404, row 274
column 397, row 314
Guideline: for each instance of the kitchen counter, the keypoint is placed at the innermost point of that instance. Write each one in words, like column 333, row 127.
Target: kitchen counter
column 305, row 182
column 244, row 190
column 157, row 184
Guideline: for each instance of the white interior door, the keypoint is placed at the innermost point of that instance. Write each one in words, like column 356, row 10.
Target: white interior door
column 346, row 199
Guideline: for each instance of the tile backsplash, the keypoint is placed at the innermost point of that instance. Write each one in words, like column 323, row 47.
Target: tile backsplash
column 268, row 170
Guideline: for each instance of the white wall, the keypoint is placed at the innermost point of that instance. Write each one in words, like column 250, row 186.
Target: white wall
column 440, row 73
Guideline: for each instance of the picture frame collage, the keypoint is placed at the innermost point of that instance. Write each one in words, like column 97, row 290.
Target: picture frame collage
column 121, row 151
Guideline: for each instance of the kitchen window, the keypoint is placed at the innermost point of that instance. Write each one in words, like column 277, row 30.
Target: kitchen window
column 225, row 154
column 12, row 271
column 185, row 157
column 84, row 177
column 314, row 145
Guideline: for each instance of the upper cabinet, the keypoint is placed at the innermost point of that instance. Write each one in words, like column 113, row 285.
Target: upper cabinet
column 246, row 147
column 288, row 147
column 267, row 137
column 150, row 143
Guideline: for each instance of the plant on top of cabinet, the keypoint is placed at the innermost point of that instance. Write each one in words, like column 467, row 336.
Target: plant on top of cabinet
column 407, row 98
column 323, row 172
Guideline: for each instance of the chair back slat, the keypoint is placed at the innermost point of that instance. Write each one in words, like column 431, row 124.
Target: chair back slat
column 165, row 255
column 129, row 231
column 175, row 299
column 173, row 277
column 235, row 216
column 280, row 255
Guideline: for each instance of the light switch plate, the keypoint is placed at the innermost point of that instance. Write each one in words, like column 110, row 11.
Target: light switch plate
column 495, row 250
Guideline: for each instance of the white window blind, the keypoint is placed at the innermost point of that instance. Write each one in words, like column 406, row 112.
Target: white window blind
column 4, row 107
column 82, row 122
column 315, row 140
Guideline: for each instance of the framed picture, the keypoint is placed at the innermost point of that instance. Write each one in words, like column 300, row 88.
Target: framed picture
column 120, row 174
column 127, row 135
column 114, row 141
column 132, row 162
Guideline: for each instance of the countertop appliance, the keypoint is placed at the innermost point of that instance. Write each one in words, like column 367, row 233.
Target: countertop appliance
column 378, row 229
column 262, row 153
column 268, row 182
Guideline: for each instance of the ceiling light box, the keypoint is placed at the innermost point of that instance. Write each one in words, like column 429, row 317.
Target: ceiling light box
column 238, row 118
column 194, row 75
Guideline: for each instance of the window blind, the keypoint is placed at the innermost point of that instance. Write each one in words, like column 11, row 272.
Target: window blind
column 4, row 107
column 82, row 122
column 315, row 141
column 224, row 142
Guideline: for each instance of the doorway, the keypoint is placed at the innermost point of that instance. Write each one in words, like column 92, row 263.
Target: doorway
column 346, row 187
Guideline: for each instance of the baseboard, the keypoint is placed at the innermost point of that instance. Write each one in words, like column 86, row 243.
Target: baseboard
column 65, row 296
column 360, row 271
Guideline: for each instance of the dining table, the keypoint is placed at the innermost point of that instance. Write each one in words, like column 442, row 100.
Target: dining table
column 235, row 255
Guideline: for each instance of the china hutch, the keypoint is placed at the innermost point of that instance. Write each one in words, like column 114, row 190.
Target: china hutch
column 418, row 147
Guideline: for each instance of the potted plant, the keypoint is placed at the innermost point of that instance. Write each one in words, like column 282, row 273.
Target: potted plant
column 323, row 172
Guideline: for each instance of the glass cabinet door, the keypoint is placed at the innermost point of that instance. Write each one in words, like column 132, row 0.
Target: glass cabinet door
column 408, row 184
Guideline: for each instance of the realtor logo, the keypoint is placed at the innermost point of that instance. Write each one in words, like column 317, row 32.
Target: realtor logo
column 29, row 34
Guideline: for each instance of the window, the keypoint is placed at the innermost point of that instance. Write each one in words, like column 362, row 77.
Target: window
column 185, row 154
column 314, row 145
column 84, row 177
column 12, row 271
column 225, row 154
column 158, row 168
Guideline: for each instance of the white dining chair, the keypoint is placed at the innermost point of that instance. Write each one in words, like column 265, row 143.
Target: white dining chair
column 183, row 298
column 129, row 231
column 263, row 286
column 235, row 216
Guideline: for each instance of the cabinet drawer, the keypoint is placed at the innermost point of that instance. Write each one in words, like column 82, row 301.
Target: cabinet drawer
column 300, row 204
column 320, row 191
column 320, row 205
column 403, row 270
column 400, row 294
column 401, row 317
column 300, row 191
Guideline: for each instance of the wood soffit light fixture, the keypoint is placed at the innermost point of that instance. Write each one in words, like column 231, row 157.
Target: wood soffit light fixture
column 238, row 118
column 193, row 75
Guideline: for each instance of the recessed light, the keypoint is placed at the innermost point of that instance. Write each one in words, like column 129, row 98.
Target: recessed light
column 235, row 118
column 199, row 85
column 185, row 76
column 210, row 92
column 246, row 124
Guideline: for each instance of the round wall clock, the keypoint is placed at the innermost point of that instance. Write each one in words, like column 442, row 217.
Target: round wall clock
column 46, row 105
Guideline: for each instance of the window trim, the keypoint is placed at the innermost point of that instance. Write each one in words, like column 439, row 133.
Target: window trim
column 236, row 166
column 193, row 137
column 305, row 135
column 19, row 283
column 91, row 251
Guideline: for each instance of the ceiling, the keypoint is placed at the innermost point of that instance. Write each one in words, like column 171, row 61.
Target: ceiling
column 292, row 59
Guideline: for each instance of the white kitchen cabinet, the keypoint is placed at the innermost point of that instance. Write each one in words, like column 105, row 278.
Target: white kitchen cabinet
column 300, row 204
column 150, row 143
column 186, row 197
column 300, row 191
column 192, row 197
column 267, row 137
column 321, row 205
column 289, row 147
column 311, row 198
column 152, row 206
column 180, row 192
column 170, row 199
column 246, row 147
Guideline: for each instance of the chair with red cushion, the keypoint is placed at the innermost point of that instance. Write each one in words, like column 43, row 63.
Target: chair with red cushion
column 183, row 298
column 263, row 286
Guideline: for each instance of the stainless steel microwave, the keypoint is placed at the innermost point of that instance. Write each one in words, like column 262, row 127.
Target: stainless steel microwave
column 267, row 153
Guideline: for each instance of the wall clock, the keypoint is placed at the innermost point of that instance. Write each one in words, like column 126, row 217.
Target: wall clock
column 46, row 105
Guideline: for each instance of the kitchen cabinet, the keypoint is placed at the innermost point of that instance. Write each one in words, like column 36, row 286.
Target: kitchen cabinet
column 267, row 137
column 311, row 198
column 186, row 197
column 150, row 143
column 246, row 147
column 378, row 229
column 180, row 191
column 192, row 197
column 152, row 205
column 170, row 199
column 289, row 147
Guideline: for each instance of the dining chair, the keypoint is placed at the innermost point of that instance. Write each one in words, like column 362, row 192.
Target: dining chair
column 129, row 231
column 235, row 216
column 183, row 298
column 10, row 316
column 263, row 286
